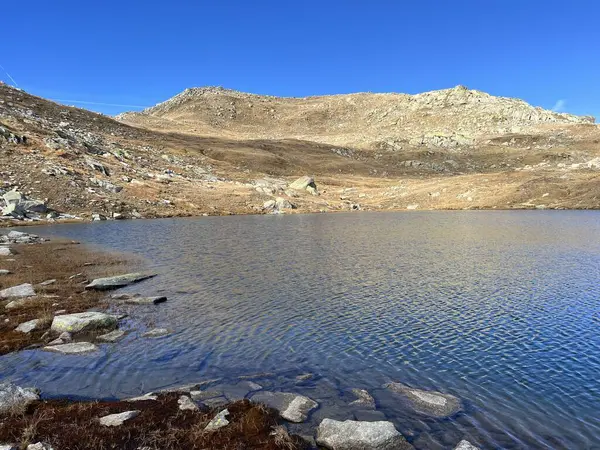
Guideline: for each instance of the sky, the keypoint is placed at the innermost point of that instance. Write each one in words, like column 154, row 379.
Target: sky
column 113, row 56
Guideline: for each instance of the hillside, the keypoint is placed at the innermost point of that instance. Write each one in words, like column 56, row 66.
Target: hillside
column 448, row 118
column 193, row 156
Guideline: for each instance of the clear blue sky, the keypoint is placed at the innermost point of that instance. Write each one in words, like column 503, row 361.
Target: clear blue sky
column 135, row 52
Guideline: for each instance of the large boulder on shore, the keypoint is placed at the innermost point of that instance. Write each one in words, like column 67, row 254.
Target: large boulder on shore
column 431, row 403
column 85, row 321
column 305, row 183
column 118, row 281
column 355, row 435
column 292, row 407
column 14, row 398
column 22, row 290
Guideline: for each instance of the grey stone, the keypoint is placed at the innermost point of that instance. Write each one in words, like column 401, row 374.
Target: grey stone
column 5, row 272
column 39, row 446
column 8, row 447
column 219, row 421
column 72, row 348
column 204, row 395
column 115, row 420
column 28, row 327
column 96, row 217
column 145, row 300
column 186, row 404
column 292, row 407
column 143, row 398
column 156, row 332
column 282, row 203
column 353, row 435
column 465, row 445
column 20, row 302
column 432, row 403
column 106, row 185
column 113, row 336
column 240, row 390
column 22, row 290
column 85, row 321
column 365, row 400
column 5, row 251
column 215, row 402
column 14, row 398
column 47, row 282
column 102, row 284
column 304, row 183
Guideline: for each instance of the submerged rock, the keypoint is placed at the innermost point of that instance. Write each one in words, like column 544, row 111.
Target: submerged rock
column 219, row 421
column 85, row 321
column 115, row 420
column 465, row 445
column 156, row 332
column 145, row 300
column 292, row 407
column 113, row 336
column 365, row 400
column 432, row 403
column 14, row 398
column 104, row 284
column 22, row 290
column 353, row 435
column 73, row 348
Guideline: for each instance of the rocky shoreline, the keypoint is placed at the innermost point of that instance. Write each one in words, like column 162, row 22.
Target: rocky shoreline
column 208, row 414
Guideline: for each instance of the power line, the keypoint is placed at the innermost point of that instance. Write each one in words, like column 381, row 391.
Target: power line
column 97, row 103
column 11, row 78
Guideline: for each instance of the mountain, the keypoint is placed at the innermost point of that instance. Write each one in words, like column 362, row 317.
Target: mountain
column 446, row 118
column 211, row 151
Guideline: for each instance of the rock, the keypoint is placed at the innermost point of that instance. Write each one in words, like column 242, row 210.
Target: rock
column 28, row 327
column 353, row 435
column 156, row 332
column 186, row 404
column 200, row 396
column 304, row 377
column 103, row 284
column 115, row 420
column 219, row 421
column 21, row 302
column 150, row 396
column 47, row 282
column 85, row 321
column 39, row 446
column 96, row 217
column 282, row 203
column 113, row 336
column 145, row 300
column 64, row 338
column 292, row 407
column 73, row 348
column 22, row 290
column 106, row 185
column 14, row 398
column 17, row 205
column 465, row 445
column 5, row 251
column 8, row 447
column 305, row 183
column 365, row 400
column 432, row 403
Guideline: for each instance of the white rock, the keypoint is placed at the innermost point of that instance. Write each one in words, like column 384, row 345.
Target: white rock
column 465, row 445
column 28, row 327
column 22, row 290
column 354, row 435
column 113, row 336
column 103, row 284
column 5, row 272
column 292, row 407
column 143, row 398
column 186, row 404
column 8, row 447
column 72, row 348
column 39, row 446
column 85, row 321
column 5, row 251
column 219, row 421
column 114, row 420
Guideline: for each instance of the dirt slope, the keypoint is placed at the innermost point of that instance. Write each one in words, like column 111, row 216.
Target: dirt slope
column 83, row 163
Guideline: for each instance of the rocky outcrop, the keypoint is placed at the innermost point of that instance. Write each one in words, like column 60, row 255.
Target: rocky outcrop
column 115, row 420
column 354, row 435
column 432, row 403
column 118, row 281
column 14, row 399
column 85, row 321
column 292, row 407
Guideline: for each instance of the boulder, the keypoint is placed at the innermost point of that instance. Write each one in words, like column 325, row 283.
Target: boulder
column 465, row 445
column 219, row 421
column 85, row 321
column 292, row 407
column 186, row 404
column 28, row 327
column 365, row 400
column 96, row 217
column 113, row 336
column 104, row 284
column 14, row 398
column 22, row 290
column 305, row 183
column 5, row 251
column 354, row 435
column 74, row 348
column 432, row 403
column 282, row 203
column 17, row 205
column 115, row 420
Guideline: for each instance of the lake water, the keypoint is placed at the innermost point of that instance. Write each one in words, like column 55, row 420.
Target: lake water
column 501, row 309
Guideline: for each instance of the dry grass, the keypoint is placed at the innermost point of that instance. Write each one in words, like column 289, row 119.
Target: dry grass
column 58, row 260
column 160, row 425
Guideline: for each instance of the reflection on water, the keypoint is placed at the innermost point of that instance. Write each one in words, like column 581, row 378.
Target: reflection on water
column 498, row 308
